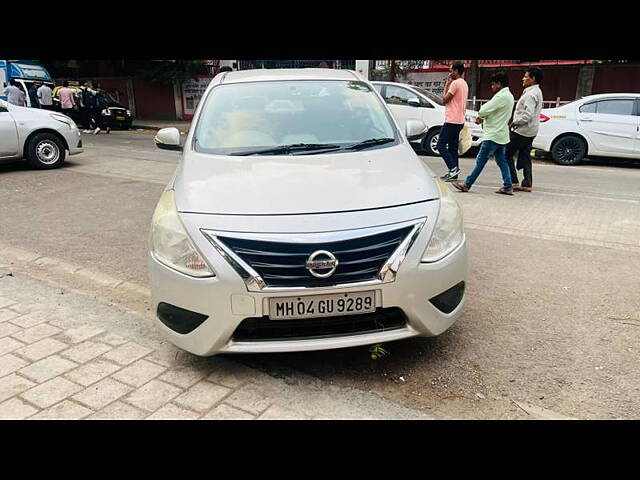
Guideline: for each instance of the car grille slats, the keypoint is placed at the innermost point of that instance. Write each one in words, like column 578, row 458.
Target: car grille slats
column 264, row 329
column 283, row 264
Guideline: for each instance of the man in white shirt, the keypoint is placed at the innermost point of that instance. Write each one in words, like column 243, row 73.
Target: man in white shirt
column 44, row 97
column 15, row 95
column 524, row 126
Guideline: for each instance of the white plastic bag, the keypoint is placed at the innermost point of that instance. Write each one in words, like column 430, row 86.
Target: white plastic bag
column 465, row 140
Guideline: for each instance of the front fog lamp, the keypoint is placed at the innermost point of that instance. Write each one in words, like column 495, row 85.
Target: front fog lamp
column 448, row 232
column 170, row 243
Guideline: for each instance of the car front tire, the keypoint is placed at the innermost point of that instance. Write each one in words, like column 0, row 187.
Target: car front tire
column 568, row 150
column 44, row 151
column 430, row 141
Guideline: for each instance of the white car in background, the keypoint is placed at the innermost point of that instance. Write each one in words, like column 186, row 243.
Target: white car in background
column 41, row 137
column 598, row 125
column 408, row 102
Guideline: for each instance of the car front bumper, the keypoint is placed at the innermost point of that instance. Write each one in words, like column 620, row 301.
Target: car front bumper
column 74, row 140
column 112, row 122
column 543, row 141
column 226, row 302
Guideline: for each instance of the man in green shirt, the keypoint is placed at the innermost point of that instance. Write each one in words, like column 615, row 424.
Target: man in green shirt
column 494, row 116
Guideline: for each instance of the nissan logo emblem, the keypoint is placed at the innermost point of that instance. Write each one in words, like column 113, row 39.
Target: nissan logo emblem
column 322, row 260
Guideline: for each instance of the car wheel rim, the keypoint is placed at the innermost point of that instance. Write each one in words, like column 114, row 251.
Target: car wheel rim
column 47, row 152
column 568, row 150
column 434, row 143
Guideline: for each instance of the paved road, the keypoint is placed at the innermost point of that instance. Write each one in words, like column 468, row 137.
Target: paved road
column 552, row 319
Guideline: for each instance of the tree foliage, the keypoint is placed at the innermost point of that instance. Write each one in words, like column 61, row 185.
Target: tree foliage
column 171, row 71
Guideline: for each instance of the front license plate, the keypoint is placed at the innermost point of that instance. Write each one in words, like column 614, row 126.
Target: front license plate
column 289, row 308
column 120, row 119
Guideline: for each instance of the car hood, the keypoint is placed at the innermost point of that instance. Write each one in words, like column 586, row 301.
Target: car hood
column 34, row 112
column 277, row 185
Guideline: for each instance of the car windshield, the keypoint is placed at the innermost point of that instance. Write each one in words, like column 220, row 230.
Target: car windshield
column 263, row 117
column 430, row 95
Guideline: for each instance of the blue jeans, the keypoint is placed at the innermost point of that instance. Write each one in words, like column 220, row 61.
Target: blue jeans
column 487, row 149
column 448, row 141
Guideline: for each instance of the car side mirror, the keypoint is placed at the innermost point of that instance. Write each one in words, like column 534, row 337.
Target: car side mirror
column 415, row 129
column 168, row 139
column 414, row 102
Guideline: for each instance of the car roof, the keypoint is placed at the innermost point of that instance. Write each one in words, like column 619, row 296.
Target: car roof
column 609, row 95
column 270, row 75
column 394, row 83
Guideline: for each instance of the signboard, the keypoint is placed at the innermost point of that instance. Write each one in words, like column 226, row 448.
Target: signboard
column 430, row 81
column 362, row 67
column 192, row 91
column 28, row 72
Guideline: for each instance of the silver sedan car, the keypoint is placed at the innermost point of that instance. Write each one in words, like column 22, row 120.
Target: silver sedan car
column 42, row 137
column 301, row 219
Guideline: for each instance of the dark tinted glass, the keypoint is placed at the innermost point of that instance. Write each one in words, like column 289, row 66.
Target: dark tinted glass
column 399, row 96
column 588, row 108
column 615, row 107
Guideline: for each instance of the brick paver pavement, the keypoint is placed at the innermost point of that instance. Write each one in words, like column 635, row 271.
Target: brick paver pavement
column 57, row 362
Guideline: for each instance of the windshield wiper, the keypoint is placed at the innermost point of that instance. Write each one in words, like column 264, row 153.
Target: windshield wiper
column 287, row 149
column 369, row 143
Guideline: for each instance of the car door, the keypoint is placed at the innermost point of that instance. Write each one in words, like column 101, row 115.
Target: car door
column 403, row 103
column 610, row 124
column 8, row 133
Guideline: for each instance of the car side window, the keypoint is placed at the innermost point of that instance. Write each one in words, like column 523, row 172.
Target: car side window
column 400, row 96
column 378, row 87
column 616, row 107
column 588, row 108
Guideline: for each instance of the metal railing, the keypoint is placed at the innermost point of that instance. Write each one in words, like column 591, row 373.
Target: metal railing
column 475, row 103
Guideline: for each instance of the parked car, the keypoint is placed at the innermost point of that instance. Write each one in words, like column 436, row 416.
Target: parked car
column 41, row 137
column 597, row 125
column 116, row 116
column 411, row 102
column 300, row 218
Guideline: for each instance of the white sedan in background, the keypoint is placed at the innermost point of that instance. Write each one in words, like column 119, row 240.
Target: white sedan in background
column 408, row 102
column 41, row 137
column 598, row 125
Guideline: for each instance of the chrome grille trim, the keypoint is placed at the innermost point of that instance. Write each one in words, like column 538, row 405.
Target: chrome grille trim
column 256, row 283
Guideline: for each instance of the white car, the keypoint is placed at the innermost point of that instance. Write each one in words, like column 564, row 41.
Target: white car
column 41, row 137
column 598, row 125
column 408, row 102
column 300, row 218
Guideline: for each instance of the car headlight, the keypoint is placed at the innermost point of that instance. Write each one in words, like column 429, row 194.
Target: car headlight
column 448, row 233
column 64, row 119
column 129, row 113
column 106, row 112
column 170, row 244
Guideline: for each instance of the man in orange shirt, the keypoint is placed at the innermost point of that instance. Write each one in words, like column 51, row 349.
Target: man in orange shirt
column 456, row 91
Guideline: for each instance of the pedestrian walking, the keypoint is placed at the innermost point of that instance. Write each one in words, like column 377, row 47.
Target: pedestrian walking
column 87, row 105
column 101, row 103
column 455, row 96
column 44, row 97
column 524, row 128
column 494, row 115
column 67, row 100
column 15, row 94
column 33, row 95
